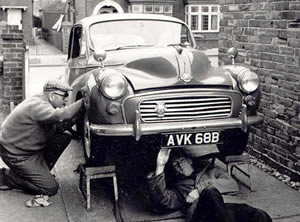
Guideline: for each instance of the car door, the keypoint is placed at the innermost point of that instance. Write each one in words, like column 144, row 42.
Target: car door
column 77, row 53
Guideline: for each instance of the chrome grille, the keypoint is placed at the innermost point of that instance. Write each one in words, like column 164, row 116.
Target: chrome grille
column 185, row 108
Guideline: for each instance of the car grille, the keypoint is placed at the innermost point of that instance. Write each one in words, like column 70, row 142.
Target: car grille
column 183, row 108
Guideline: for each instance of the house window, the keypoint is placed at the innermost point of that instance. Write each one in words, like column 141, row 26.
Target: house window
column 158, row 9
column 152, row 8
column 137, row 8
column 168, row 9
column 203, row 18
column 148, row 8
column 14, row 17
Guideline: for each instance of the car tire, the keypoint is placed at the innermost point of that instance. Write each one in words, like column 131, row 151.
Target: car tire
column 93, row 147
column 234, row 142
column 98, row 151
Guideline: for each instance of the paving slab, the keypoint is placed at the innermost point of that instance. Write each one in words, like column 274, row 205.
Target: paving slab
column 42, row 47
column 13, row 208
column 278, row 199
column 102, row 199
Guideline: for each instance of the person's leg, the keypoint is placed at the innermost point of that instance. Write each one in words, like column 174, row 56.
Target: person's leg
column 211, row 208
column 246, row 213
column 29, row 173
column 55, row 147
column 3, row 183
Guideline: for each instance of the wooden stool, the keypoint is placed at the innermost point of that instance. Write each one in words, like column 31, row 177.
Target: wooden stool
column 234, row 162
column 89, row 173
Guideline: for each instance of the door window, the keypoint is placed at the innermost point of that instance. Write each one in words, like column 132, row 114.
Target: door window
column 75, row 39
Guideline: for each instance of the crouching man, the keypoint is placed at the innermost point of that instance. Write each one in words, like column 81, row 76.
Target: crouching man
column 33, row 137
column 195, row 194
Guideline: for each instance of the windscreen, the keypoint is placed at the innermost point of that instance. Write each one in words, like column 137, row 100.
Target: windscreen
column 138, row 33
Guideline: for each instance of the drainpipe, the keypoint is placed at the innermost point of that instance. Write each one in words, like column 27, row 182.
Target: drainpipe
column 85, row 8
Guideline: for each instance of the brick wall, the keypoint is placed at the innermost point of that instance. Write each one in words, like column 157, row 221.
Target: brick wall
column 11, row 77
column 267, row 35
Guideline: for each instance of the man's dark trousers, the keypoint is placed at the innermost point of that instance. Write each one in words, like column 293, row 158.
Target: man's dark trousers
column 31, row 172
column 211, row 208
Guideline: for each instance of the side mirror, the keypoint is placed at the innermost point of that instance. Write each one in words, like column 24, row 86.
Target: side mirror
column 99, row 55
column 233, row 53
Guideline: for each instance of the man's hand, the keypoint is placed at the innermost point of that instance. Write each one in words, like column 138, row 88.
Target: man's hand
column 192, row 196
column 161, row 161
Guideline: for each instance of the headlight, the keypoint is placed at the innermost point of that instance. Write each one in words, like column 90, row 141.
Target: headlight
column 113, row 86
column 248, row 81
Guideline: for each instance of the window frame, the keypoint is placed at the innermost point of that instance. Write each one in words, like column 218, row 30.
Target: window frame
column 13, row 14
column 77, row 47
column 139, row 6
column 199, row 13
column 142, row 8
column 146, row 6
column 161, row 9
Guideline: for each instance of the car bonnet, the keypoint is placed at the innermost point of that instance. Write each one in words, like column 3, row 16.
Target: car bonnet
column 166, row 67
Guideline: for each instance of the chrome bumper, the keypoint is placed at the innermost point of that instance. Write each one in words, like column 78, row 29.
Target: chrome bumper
column 138, row 129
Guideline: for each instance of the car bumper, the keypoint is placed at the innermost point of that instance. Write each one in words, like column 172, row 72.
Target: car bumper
column 138, row 128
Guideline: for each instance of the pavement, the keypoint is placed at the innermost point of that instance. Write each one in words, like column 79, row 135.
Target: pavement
column 44, row 62
column 270, row 194
column 42, row 47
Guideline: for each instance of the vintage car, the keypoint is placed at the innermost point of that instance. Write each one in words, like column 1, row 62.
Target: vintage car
column 141, row 74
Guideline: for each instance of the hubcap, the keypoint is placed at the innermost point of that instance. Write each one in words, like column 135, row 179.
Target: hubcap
column 87, row 137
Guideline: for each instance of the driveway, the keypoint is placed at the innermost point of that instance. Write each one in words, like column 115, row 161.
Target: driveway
column 43, row 62
column 279, row 200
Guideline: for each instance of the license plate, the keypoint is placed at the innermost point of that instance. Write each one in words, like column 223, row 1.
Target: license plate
column 188, row 139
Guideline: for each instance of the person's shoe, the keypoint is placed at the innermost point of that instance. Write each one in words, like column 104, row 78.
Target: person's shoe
column 38, row 201
column 3, row 185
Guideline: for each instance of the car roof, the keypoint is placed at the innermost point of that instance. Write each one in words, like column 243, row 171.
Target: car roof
column 125, row 16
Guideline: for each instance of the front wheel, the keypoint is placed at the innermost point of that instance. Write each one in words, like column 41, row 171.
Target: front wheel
column 234, row 142
column 93, row 147
column 96, row 152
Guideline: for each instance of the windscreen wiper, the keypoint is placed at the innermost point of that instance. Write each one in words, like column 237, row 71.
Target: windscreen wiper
column 128, row 47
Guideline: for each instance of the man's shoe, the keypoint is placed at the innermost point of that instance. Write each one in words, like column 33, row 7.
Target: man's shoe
column 3, row 185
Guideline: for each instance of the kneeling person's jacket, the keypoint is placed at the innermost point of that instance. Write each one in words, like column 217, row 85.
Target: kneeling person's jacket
column 33, row 122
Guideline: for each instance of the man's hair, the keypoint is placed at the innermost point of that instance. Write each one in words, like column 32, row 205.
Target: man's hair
column 176, row 154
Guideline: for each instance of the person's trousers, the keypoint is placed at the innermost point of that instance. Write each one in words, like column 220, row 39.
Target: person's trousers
column 211, row 208
column 31, row 172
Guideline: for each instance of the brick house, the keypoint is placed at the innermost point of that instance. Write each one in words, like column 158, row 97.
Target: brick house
column 18, row 13
column 267, row 35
